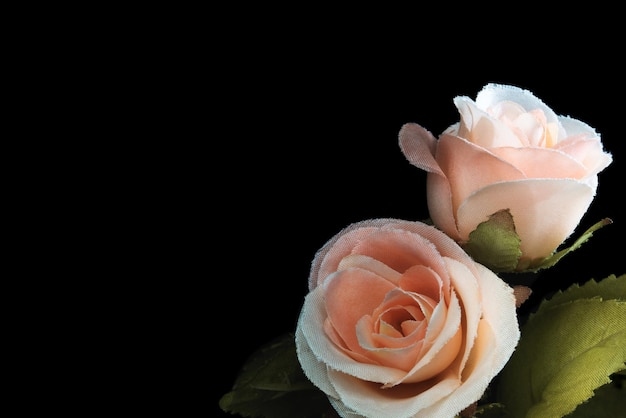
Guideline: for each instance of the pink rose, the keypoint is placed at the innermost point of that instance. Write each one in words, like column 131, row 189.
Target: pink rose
column 401, row 322
column 509, row 151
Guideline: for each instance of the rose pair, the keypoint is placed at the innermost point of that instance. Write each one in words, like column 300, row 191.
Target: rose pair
column 400, row 321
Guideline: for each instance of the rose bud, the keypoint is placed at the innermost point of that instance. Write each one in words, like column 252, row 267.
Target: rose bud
column 509, row 152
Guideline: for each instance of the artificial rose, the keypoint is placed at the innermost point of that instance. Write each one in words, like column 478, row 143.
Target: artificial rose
column 401, row 322
column 509, row 151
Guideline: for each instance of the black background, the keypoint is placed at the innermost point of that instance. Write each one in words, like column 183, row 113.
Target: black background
column 311, row 145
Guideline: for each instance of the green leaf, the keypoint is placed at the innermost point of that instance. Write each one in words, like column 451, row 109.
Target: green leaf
column 271, row 384
column 608, row 401
column 568, row 349
column 612, row 287
column 554, row 258
column 494, row 243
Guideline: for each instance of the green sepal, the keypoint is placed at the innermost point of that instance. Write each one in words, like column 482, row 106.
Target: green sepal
column 494, row 243
column 569, row 348
column 554, row 258
column 271, row 384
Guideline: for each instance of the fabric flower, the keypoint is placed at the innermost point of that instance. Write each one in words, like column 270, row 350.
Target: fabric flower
column 509, row 151
column 401, row 322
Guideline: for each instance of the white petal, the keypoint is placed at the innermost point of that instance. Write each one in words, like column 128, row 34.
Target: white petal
column 369, row 400
column 466, row 286
column 575, row 127
column 313, row 347
column 493, row 93
column 545, row 211
column 480, row 128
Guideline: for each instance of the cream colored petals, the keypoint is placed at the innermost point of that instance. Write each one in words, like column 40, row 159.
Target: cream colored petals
column 400, row 322
column 509, row 151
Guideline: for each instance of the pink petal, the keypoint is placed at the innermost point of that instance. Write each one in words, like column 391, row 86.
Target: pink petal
column 349, row 295
column 542, row 162
column 397, row 248
column 481, row 129
column 465, row 285
column 498, row 334
column 418, row 146
column 441, row 344
column 399, row 354
column 413, row 302
column 368, row 263
column 327, row 258
column 332, row 335
column 444, row 246
column 439, row 200
column 469, row 167
column 423, row 281
column 588, row 151
column 545, row 211
column 317, row 351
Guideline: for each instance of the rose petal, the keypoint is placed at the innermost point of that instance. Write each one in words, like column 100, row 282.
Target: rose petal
column 397, row 248
column 588, row 151
column 498, row 335
column 541, row 219
column 542, row 162
column 462, row 162
column 315, row 349
column 441, row 344
column 399, row 351
column 400, row 297
column 440, row 208
column 498, row 309
column 575, row 127
column 401, row 357
column 418, row 146
column 332, row 334
column 481, row 129
column 493, row 93
column 313, row 368
column 367, row 399
column 442, row 244
column 469, row 295
column 424, row 281
column 326, row 261
column 327, row 258
column 398, row 323
column 349, row 295
column 371, row 264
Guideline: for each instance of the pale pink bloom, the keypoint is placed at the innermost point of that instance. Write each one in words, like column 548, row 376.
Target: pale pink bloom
column 401, row 322
column 509, row 151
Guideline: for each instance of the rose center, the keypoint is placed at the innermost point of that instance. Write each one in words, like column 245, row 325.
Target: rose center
column 399, row 321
